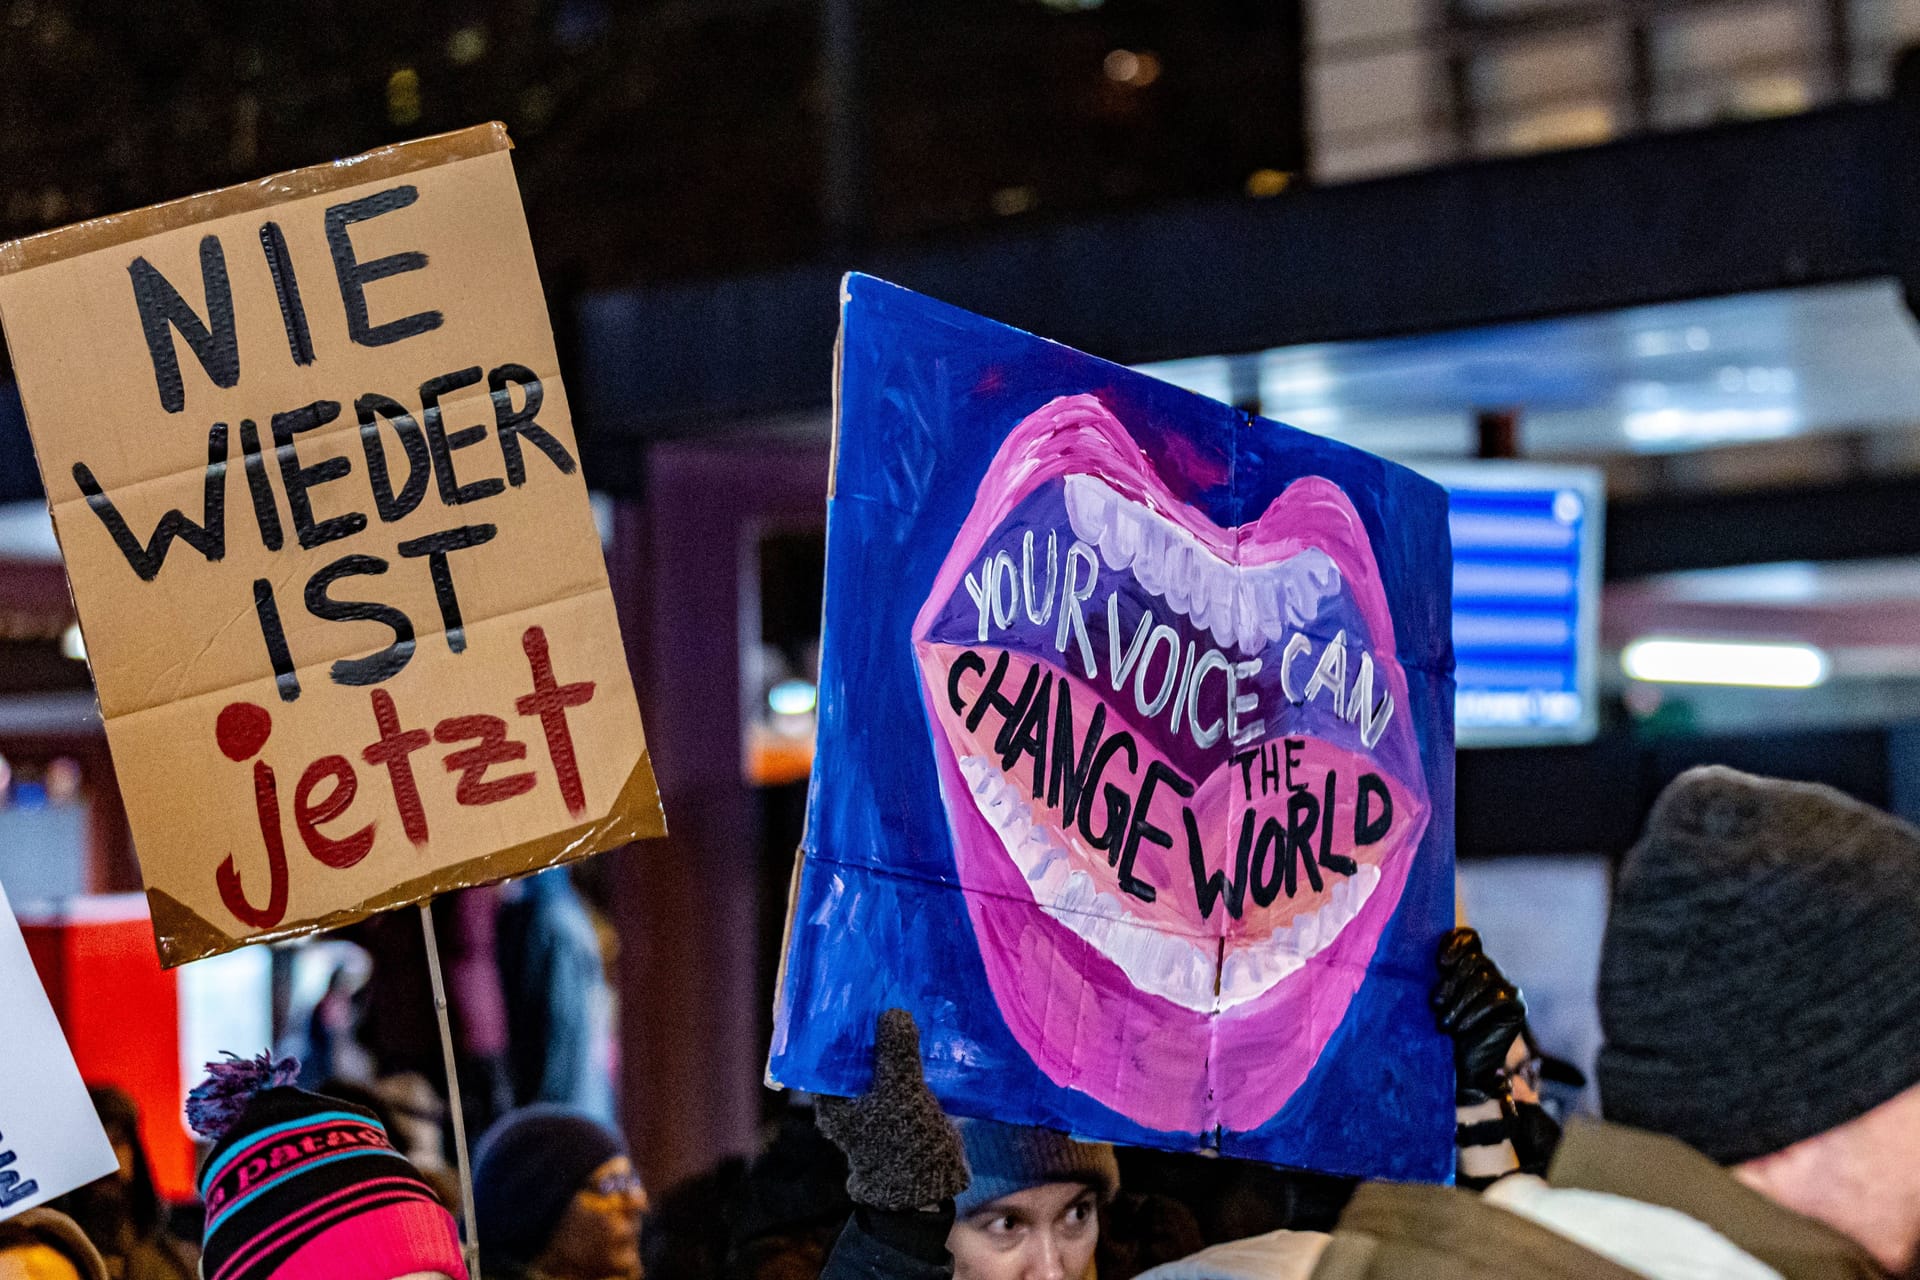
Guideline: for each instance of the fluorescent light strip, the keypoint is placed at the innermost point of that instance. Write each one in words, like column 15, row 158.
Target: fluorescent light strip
column 1662, row 660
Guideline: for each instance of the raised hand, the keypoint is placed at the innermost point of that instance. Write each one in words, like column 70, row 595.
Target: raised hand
column 902, row 1150
column 1480, row 1010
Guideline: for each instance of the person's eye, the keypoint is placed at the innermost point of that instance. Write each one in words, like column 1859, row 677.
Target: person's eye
column 1003, row 1225
column 1080, row 1214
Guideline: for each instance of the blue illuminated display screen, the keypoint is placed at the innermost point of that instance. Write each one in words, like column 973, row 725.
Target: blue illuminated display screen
column 1525, row 601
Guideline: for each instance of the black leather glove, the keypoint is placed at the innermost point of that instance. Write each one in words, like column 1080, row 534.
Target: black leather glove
column 1481, row 1011
column 902, row 1150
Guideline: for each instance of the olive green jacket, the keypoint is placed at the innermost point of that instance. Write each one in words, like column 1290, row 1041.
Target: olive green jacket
column 1626, row 1196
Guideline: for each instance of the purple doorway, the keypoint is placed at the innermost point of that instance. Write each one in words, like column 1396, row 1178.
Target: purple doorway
column 691, row 908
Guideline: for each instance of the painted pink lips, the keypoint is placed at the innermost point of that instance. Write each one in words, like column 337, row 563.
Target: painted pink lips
column 1178, row 767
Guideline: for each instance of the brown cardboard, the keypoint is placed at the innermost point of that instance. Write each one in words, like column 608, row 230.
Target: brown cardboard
column 172, row 653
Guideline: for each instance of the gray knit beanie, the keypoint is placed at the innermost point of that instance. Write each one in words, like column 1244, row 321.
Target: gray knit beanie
column 1006, row 1158
column 1755, row 983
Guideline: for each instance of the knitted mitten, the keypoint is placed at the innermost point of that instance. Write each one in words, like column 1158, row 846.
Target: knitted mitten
column 902, row 1150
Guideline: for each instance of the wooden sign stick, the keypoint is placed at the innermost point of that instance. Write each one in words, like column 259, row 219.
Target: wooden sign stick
column 470, row 1231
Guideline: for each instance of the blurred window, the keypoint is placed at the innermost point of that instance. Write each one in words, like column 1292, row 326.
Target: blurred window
column 780, row 669
column 1333, row 23
column 1062, row 106
column 1402, row 84
column 1381, row 104
column 1558, row 91
column 43, row 845
column 1504, row 8
column 1879, row 29
column 1738, row 61
column 1373, row 88
column 1891, row 22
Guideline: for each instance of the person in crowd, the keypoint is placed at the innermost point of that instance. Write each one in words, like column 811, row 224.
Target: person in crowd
column 44, row 1244
column 908, row 1161
column 470, row 952
column 1544, row 1089
column 397, row 1034
column 1033, row 1206
column 333, row 1047
column 1140, row 1231
column 978, row 1201
column 557, row 1198
column 558, row 1001
column 123, row 1213
column 299, row 1186
column 688, row 1231
column 1484, row 1016
column 1760, row 1078
column 788, row 1207
column 1499, row 1128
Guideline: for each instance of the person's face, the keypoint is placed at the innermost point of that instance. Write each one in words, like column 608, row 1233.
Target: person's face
column 791, row 1256
column 1042, row 1233
column 1860, row 1178
column 599, row 1237
column 1523, row 1072
column 1888, row 1159
column 35, row 1262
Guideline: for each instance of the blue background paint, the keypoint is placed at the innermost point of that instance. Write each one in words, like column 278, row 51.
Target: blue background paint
column 927, row 395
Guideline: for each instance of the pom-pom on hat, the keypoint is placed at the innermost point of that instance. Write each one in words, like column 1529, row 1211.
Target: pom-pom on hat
column 304, row 1187
column 215, row 1104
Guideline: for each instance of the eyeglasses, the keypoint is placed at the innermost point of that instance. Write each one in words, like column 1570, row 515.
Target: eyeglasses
column 1527, row 1072
column 623, row 1183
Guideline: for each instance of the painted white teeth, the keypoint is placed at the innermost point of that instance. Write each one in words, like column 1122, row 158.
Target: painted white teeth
column 1305, row 933
column 1156, row 557
column 1175, row 967
column 1089, row 509
column 1244, row 607
column 1252, row 970
column 1169, row 571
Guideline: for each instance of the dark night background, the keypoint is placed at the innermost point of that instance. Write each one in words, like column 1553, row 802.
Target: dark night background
column 663, row 140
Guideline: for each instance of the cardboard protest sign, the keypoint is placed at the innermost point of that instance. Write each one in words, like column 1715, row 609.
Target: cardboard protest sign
column 50, row 1136
column 314, row 477
column 1135, row 778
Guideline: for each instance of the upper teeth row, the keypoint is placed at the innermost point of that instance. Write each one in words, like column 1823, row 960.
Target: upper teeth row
column 1167, row 964
column 1244, row 606
column 1248, row 971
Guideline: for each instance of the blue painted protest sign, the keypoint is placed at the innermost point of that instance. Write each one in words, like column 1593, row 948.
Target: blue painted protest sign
column 1135, row 768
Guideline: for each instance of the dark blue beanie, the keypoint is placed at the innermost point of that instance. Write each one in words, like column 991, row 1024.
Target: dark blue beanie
column 526, row 1171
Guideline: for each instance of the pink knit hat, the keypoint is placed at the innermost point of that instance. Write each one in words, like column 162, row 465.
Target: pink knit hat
column 304, row 1187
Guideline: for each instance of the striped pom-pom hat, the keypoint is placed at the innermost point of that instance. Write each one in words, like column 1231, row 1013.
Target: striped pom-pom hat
column 303, row 1187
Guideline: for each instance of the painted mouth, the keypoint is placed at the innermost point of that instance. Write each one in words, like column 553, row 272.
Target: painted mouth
column 1178, row 765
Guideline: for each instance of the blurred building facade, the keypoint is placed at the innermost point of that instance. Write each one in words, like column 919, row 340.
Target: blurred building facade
column 1406, row 84
column 669, row 138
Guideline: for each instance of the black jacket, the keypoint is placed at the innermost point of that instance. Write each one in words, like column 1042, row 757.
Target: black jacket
column 880, row 1244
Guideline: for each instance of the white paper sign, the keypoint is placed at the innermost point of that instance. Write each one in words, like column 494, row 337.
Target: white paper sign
column 50, row 1137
